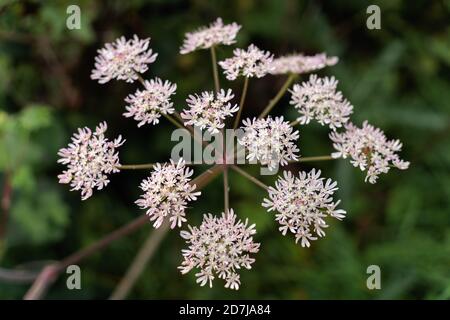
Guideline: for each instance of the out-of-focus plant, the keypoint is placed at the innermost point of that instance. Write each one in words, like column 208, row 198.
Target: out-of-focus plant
column 27, row 216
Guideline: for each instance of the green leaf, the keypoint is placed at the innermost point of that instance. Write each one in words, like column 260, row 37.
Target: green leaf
column 23, row 178
column 38, row 217
column 35, row 117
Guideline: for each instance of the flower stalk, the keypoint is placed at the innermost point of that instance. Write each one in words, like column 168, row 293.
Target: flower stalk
column 241, row 103
column 51, row 272
column 249, row 177
column 310, row 159
column 279, row 95
column 135, row 166
column 215, row 69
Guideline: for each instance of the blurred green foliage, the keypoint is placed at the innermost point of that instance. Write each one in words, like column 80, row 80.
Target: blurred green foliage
column 396, row 77
column 22, row 154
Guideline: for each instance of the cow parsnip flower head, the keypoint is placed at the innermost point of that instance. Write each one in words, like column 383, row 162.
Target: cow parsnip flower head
column 249, row 63
column 167, row 192
column 318, row 99
column 123, row 60
column 216, row 33
column 271, row 141
column 219, row 247
column 369, row 150
column 302, row 204
column 298, row 63
column 89, row 159
column 209, row 110
column 146, row 106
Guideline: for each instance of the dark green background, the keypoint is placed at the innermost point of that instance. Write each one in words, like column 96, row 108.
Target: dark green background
column 396, row 77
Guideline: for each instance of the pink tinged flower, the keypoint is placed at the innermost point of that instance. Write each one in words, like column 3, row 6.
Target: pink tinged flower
column 146, row 106
column 249, row 63
column 368, row 149
column 123, row 60
column 209, row 111
column 218, row 248
column 167, row 192
column 298, row 63
column 270, row 141
column 318, row 99
column 90, row 157
column 216, row 33
column 302, row 204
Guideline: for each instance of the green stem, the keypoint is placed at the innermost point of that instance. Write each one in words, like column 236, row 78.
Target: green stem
column 136, row 166
column 249, row 177
column 241, row 104
column 309, row 159
column 139, row 263
column 175, row 122
column 146, row 166
column 215, row 71
column 141, row 80
column 178, row 116
column 280, row 94
column 226, row 195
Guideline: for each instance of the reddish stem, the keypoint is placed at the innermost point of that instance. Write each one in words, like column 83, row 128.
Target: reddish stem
column 5, row 203
column 50, row 273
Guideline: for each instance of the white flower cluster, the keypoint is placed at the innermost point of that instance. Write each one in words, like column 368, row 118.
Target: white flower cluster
column 146, row 106
column 208, row 110
column 249, row 63
column 123, row 60
column 89, row 158
column 222, row 245
column 270, row 141
column 167, row 192
column 218, row 247
column 302, row 204
column 318, row 99
column 298, row 63
column 369, row 149
column 206, row 37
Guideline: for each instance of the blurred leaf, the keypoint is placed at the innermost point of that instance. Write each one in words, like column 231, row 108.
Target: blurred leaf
column 35, row 117
column 38, row 218
column 23, row 178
